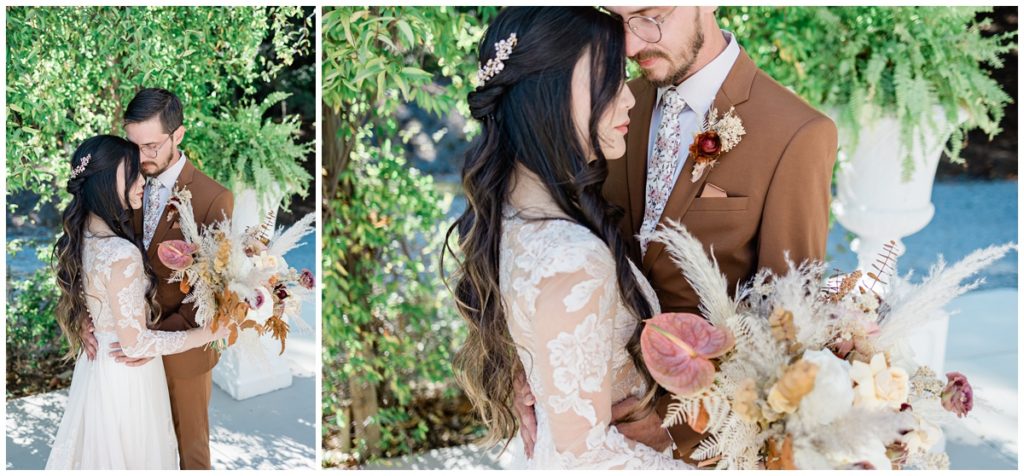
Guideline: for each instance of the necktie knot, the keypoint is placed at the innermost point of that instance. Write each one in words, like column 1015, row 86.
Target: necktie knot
column 673, row 101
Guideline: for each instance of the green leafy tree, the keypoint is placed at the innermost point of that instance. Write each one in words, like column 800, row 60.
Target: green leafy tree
column 35, row 345
column 71, row 72
column 865, row 61
column 389, row 327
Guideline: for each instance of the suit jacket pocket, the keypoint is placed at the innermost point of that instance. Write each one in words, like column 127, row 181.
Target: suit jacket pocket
column 719, row 204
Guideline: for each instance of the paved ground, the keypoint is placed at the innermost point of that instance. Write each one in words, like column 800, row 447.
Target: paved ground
column 276, row 430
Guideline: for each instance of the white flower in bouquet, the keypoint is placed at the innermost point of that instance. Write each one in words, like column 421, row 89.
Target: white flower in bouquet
column 262, row 307
column 923, row 437
column 878, row 385
column 832, row 396
column 266, row 262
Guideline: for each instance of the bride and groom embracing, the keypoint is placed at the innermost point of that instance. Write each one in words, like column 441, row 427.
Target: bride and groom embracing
column 126, row 408
column 573, row 169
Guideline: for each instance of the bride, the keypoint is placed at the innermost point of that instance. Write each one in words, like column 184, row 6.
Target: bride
column 117, row 417
column 544, row 282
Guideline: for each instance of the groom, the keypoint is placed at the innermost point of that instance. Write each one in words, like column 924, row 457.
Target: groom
column 767, row 196
column 154, row 121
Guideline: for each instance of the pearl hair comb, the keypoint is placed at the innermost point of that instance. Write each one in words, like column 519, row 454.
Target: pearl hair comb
column 75, row 172
column 497, row 64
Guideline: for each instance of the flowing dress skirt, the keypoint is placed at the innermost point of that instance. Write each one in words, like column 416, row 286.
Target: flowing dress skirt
column 117, row 417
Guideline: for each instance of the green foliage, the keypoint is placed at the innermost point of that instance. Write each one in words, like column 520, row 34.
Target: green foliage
column 866, row 61
column 71, row 71
column 35, row 344
column 242, row 148
column 389, row 326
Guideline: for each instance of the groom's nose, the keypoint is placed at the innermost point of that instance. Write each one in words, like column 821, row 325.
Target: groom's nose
column 634, row 44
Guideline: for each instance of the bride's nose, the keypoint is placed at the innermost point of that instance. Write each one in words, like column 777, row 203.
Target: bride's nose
column 629, row 100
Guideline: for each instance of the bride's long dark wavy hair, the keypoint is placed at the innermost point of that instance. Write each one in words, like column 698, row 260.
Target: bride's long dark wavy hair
column 94, row 191
column 527, row 119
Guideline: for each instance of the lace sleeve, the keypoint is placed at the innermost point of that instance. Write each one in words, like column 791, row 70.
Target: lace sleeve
column 126, row 294
column 573, row 350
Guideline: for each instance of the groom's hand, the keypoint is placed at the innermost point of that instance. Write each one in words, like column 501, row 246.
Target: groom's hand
column 121, row 358
column 647, row 430
column 523, row 405
column 89, row 342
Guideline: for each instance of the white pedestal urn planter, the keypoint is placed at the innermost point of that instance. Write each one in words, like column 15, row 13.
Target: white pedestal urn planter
column 875, row 202
column 252, row 366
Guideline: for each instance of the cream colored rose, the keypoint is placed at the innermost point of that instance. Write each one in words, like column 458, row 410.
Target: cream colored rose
column 878, row 385
column 270, row 261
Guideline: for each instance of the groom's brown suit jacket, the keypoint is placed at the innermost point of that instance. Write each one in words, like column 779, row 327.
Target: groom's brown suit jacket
column 778, row 184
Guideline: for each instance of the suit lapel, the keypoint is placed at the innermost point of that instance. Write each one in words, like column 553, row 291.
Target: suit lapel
column 166, row 219
column 735, row 90
column 636, row 161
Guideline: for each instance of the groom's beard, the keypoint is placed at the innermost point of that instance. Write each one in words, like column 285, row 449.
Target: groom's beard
column 680, row 72
column 157, row 170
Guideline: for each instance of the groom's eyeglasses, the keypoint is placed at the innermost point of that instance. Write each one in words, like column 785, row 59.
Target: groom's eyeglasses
column 151, row 151
column 648, row 28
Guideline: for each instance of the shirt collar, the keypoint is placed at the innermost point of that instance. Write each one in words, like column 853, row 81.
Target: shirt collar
column 170, row 176
column 700, row 89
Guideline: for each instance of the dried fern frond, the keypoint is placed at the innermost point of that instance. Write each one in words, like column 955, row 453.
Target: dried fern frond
column 700, row 270
column 911, row 306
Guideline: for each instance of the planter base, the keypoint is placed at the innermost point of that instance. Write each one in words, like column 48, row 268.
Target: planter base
column 251, row 367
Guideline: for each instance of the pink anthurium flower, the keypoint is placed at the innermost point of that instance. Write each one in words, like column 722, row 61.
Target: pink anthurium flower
column 678, row 349
column 176, row 254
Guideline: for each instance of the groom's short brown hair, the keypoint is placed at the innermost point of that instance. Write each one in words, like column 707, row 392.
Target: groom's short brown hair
column 151, row 102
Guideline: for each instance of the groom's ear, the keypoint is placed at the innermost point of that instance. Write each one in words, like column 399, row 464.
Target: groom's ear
column 178, row 135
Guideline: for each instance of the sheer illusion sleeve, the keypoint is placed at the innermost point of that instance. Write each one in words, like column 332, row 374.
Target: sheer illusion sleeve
column 573, row 350
column 126, row 293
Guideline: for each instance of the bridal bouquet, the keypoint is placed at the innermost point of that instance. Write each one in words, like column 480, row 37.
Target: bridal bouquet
column 238, row 277
column 802, row 371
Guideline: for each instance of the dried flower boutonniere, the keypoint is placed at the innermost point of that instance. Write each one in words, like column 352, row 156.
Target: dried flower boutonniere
column 717, row 135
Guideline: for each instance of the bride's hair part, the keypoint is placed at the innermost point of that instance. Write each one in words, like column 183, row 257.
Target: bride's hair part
column 526, row 112
column 94, row 190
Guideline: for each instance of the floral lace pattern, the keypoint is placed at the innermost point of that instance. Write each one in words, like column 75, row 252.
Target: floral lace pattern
column 571, row 328
column 115, row 281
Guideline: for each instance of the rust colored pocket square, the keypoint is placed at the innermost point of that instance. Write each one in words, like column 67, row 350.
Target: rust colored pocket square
column 713, row 191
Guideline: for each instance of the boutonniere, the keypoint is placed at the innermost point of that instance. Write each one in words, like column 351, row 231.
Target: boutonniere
column 717, row 135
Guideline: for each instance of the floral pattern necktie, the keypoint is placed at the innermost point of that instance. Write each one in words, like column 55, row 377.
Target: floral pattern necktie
column 661, row 170
column 151, row 215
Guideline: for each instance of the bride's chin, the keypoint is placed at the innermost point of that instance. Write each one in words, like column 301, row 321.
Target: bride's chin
column 615, row 153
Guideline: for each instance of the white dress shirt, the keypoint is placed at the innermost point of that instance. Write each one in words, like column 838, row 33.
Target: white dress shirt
column 699, row 91
column 167, row 178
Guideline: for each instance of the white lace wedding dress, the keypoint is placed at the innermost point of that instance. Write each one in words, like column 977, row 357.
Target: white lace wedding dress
column 119, row 417
column 566, row 316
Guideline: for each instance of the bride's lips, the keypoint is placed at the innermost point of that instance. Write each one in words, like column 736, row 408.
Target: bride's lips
column 623, row 128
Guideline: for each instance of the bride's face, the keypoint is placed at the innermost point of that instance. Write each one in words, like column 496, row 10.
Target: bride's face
column 135, row 192
column 614, row 122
